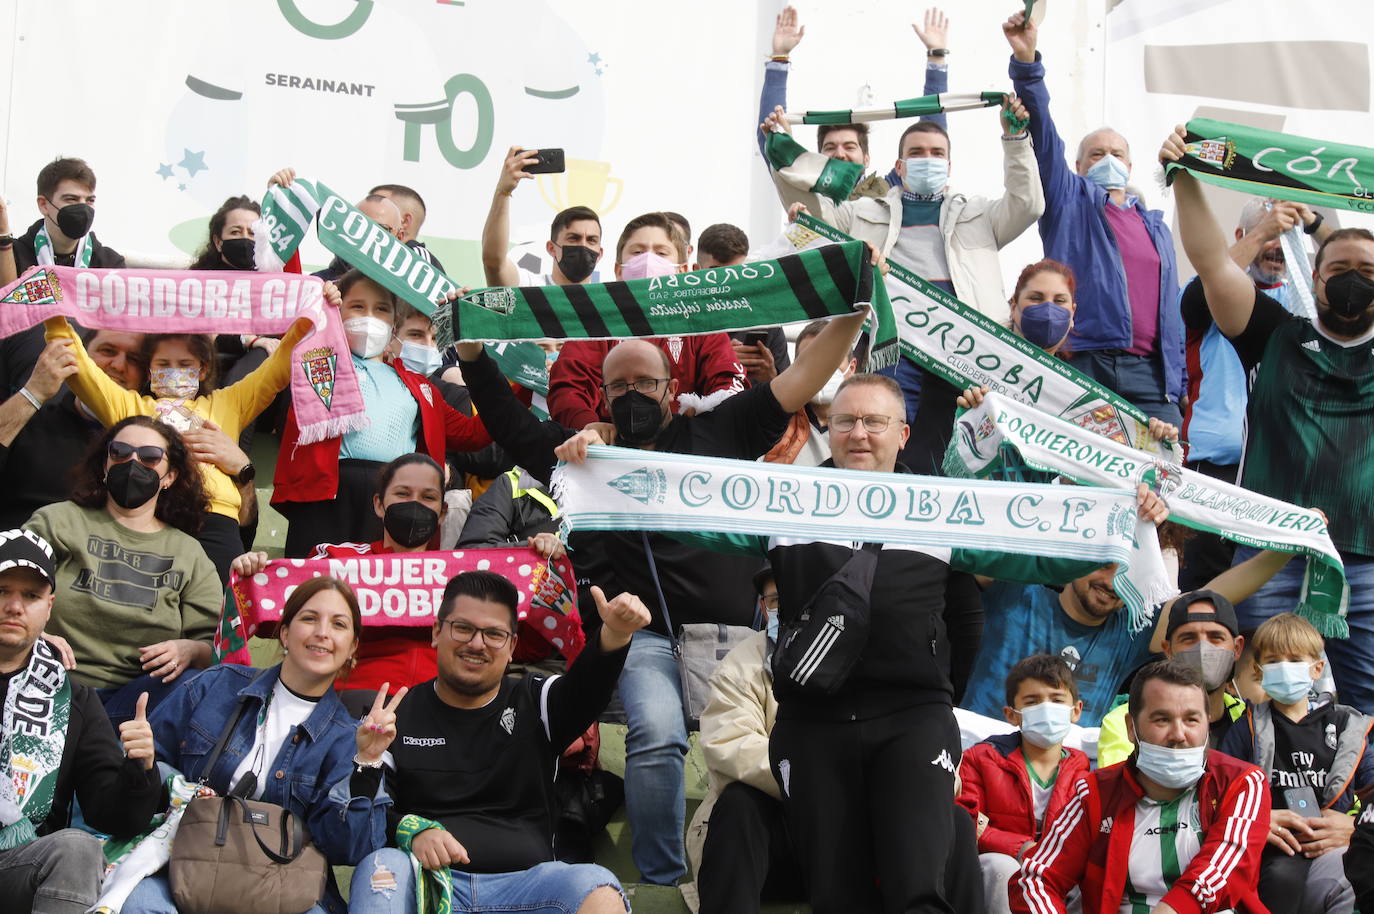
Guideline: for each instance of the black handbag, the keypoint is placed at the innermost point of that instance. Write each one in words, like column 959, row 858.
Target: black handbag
column 221, row 864
column 815, row 654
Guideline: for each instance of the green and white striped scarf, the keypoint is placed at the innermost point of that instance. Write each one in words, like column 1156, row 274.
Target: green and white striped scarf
column 1270, row 164
column 983, row 435
column 34, row 721
column 43, row 249
column 967, row 349
column 907, row 107
column 824, row 283
column 625, row 489
column 286, row 216
column 433, row 888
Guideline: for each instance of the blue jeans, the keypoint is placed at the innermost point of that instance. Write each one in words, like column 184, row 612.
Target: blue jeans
column 1352, row 659
column 154, row 896
column 385, row 884
column 119, row 701
column 655, row 745
column 1139, row 379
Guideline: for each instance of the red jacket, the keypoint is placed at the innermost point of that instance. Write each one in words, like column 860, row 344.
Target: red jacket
column 1089, row 844
column 996, row 784
column 310, row 472
column 701, row 364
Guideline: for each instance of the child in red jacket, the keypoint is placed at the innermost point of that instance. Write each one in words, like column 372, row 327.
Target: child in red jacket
column 1014, row 783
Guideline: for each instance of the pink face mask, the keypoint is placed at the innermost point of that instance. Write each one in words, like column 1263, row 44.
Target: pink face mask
column 645, row 265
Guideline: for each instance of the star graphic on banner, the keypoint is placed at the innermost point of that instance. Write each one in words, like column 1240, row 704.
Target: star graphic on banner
column 598, row 71
column 164, row 171
column 193, row 162
column 181, row 187
column 593, row 59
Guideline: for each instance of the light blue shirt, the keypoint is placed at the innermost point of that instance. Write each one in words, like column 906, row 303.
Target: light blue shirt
column 393, row 413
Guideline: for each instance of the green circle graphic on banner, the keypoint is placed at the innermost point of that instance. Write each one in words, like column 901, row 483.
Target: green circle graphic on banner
column 312, row 29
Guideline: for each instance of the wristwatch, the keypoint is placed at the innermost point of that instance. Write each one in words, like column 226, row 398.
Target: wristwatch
column 938, row 52
column 246, row 475
column 1316, row 223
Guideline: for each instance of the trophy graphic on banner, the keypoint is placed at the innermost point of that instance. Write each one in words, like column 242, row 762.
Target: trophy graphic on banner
column 583, row 184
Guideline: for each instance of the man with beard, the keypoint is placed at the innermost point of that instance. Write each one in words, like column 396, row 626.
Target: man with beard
column 472, row 769
column 1217, row 388
column 1310, row 419
column 680, row 583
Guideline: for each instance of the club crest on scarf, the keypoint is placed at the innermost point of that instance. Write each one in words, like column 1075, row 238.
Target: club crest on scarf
column 643, row 485
column 502, row 301
column 675, row 348
column 41, row 289
column 1103, row 420
column 1220, row 152
column 319, row 371
column 973, row 435
column 1163, row 478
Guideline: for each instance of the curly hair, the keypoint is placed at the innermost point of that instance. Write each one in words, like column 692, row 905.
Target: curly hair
column 183, row 504
column 209, row 258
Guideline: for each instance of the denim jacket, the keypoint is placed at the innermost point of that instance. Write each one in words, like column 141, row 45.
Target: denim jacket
column 310, row 775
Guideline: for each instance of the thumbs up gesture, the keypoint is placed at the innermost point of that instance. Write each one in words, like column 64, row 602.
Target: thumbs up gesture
column 620, row 618
column 137, row 735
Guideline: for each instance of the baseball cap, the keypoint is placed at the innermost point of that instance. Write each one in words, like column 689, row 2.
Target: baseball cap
column 1225, row 614
column 25, row 549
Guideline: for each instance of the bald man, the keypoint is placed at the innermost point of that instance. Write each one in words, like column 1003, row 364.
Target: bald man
column 1127, row 331
column 381, row 210
column 413, row 212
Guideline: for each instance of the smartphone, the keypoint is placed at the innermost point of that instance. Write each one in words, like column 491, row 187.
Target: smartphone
column 1303, row 801
column 756, row 338
column 550, row 162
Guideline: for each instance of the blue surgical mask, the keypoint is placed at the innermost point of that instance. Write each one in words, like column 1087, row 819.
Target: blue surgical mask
column 1172, row 768
column 1045, row 724
column 424, row 360
column 926, row 177
column 1044, row 323
column 1109, row 172
column 772, row 626
column 1287, row 683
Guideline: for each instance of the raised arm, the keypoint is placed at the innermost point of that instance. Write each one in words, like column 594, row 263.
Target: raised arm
column 1024, row 199
column 54, row 365
column 787, row 34
column 795, row 387
column 1028, row 78
column 934, row 34
column 1229, row 289
column 496, row 232
column 9, row 272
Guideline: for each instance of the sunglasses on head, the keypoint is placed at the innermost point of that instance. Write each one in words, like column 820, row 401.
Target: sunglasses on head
column 150, row 455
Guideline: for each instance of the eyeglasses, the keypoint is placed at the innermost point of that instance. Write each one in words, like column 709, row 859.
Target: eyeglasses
column 464, row 632
column 150, row 455
column 872, row 424
column 643, row 385
column 769, row 601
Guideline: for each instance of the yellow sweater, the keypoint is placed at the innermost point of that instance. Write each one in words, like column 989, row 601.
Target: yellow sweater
column 231, row 408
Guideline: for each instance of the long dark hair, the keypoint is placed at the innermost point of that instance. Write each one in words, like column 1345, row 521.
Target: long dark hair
column 202, row 346
column 183, row 504
column 209, row 258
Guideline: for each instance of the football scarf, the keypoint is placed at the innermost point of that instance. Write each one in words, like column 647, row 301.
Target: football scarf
column 43, row 250
column 36, row 711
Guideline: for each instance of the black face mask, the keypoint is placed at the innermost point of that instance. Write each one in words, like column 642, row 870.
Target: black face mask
column 637, row 418
column 75, row 219
column 410, row 523
column 131, row 484
column 577, row 262
column 237, row 252
column 1348, row 297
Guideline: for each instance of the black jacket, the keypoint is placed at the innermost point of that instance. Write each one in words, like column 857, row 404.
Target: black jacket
column 500, row 519
column 118, row 796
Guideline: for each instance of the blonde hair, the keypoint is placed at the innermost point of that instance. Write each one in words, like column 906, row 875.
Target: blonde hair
column 1287, row 634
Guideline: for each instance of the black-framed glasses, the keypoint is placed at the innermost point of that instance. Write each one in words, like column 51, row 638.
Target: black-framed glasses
column 150, row 455
column 464, row 632
column 872, row 424
column 643, row 385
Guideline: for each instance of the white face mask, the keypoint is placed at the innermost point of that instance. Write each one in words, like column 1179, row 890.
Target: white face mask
column 420, row 358
column 826, row 395
column 926, row 176
column 367, row 336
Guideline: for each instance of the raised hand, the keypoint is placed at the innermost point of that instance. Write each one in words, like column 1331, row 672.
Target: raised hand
column 548, row 545
column 137, row 736
column 283, row 177
column 55, row 364
column 377, row 730
column 620, row 618
column 1163, row 431
column 972, row 398
column 786, row 33
column 436, row 849
column 935, row 33
column 776, row 122
column 1022, row 35
column 332, row 296
column 513, row 169
column 1174, row 146
column 574, row 450
column 249, row 564
column 1152, row 507
column 1018, row 111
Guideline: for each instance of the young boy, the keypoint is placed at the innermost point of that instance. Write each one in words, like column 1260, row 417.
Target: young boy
column 1014, row 783
column 1316, row 755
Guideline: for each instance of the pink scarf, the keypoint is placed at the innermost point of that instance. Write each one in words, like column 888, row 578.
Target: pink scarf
column 324, row 388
